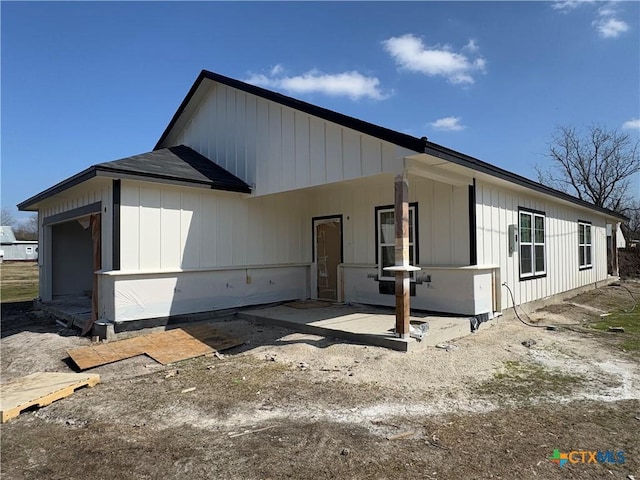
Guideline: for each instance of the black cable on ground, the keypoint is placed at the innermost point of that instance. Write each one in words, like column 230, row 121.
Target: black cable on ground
column 635, row 301
column 513, row 301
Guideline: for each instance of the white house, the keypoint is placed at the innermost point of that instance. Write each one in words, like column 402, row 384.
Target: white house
column 16, row 250
column 251, row 197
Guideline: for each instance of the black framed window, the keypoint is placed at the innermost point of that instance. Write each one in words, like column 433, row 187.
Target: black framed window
column 386, row 239
column 585, row 247
column 532, row 243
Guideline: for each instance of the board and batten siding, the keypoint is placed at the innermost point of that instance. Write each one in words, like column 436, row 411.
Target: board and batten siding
column 275, row 148
column 497, row 208
column 165, row 227
column 443, row 217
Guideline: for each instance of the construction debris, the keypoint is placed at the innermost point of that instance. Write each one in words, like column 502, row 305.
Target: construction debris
column 449, row 347
column 40, row 389
column 187, row 390
column 401, row 435
column 529, row 343
column 164, row 347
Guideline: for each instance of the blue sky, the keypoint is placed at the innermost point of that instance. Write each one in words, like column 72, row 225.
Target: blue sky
column 84, row 83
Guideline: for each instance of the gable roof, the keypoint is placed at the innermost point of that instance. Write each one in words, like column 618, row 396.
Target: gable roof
column 392, row 136
column 419, row 145
column 177, row 165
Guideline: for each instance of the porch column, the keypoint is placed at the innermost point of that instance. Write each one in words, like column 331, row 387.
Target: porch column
column 402, row 254
column 402, row 268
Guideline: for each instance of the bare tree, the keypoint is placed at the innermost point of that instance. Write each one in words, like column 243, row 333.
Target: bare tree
column 7, row 218
column 27, row 229
column 631, row 229
column 595, row 166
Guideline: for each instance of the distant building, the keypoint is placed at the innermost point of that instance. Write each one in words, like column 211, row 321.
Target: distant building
column 12, row 249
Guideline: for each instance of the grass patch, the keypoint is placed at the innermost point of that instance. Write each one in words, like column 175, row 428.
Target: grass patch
column 19, row 281
column 628, row 340
column 520, row 382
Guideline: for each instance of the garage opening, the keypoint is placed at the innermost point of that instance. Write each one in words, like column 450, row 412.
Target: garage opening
column 75, row 256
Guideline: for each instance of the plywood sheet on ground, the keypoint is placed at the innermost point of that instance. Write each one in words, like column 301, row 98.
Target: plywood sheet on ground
column 164, row 347
column 40, row 389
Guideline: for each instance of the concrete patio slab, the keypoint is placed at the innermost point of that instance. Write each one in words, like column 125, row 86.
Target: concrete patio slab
column 362, row 324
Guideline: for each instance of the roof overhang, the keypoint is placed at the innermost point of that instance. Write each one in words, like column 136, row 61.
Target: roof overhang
column 456, row 168
column 214, row 178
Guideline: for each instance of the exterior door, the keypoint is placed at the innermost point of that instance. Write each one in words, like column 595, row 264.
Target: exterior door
column 327, row 233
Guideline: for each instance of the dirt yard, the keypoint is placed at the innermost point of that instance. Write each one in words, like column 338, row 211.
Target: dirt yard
column 288, row 405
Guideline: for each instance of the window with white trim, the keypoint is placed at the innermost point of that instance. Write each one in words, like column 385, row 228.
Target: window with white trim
column 386, row 233
column 532, row 243
column 584, row 244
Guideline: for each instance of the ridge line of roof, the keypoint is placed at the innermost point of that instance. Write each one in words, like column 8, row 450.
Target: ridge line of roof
column 378, row 131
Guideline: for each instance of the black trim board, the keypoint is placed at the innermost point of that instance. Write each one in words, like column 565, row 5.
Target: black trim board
column 73, row 214
column 473, row 234
column 419, row 145
column 115, row 226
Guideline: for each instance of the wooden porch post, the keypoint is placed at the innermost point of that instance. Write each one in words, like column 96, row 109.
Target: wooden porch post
column 402, row 254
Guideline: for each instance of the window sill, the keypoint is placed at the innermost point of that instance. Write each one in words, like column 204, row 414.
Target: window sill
column 532, row 277
column 585, row 267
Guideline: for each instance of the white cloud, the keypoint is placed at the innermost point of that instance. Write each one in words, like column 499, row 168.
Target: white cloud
column 471, row 46
column 610, row 27
column 409, row 52
column 450, row 124
column 607, row 22
column 568, row 5
column 277, row 70
column 633, row 124
column 350, row 84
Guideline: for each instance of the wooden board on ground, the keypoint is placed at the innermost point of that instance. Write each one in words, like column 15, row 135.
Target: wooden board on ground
column 164, row 347
column 40, row 389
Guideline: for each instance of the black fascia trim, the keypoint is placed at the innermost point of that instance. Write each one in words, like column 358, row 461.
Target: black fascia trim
column 73, row 214
column 123, row 173
column 473, row 234
column 475, row 164
column 382, row 133
column 392, row 207
column 77, row 179
column 313, row 235
column 115, row 227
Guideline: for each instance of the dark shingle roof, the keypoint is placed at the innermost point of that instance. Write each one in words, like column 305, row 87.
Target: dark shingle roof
column 178, row 165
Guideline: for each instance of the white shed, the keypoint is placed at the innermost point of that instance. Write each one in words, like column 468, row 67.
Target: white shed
column 251, row 197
